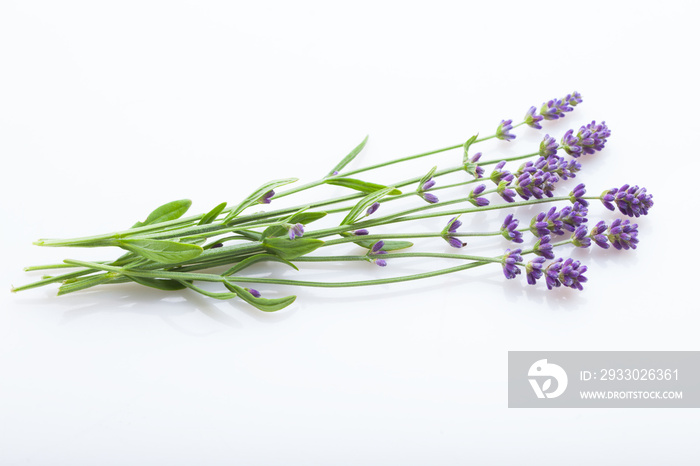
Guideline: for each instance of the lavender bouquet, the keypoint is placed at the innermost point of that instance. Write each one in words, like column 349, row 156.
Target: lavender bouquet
column 169, row 252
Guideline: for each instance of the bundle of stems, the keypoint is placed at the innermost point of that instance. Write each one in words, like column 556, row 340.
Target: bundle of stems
column 170, row 252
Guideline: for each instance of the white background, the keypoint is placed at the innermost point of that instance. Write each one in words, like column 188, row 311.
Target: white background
column 109, row 109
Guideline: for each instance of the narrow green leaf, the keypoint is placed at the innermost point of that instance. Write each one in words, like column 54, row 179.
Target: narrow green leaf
column 348, row 158
column 291, row 249
column 170, row 211
column 425, row 178
column 364, row 203
column 264, row 304
column 212, row 214
column 389, row 245
column 302, row 217
column 257, row 196
column 158, row 283
column 466, row 146
column 210, row 294
column 248, row 261
column 359, row 185
column 166, row 252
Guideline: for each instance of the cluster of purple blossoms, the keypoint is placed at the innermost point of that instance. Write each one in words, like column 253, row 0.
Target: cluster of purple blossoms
column 267, row 197
column 450, row 230
column 548, row 146
column 544, row 247
column 503, row 178
column 567, row 272
column 589, row 139
column 428, row 197
column 552, row 110
column 506, row 193
column 296, row 230
column 537, row 184
column 622, row 234
column 554, row 222
column 632, row 201
column 474, row 196
column 551, row 164
column 471, row 166
column 533, row 270
column 509, row 229
column 509, row 261
column 557, row 108
column 376, row 250
column 576, row 195
column 580, row 237
column 503, row 130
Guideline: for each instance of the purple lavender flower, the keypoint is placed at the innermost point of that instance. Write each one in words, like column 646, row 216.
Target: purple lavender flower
column 478, row 201
column 632, row 201
column 498, row 174
column 533, row 270
column 361, row 232
column 502, row 132
column 509, row 229
column 296, row 231
column 507, row 194
column 267, row 198
column 450, row 230
column 510, row 263
column 543, row 247
column 533, row 120
column 547, row 223
column 372, row 209
column 573, row 216
column 623, row 234
column 576, row 195
column 598, row 235
column 548, row 146
column 376, row 250
column 471, row 166
column 254, row 292
column 537, row 184
column 580, row 237
column 430, row 198
column 568, row 273
column 556, row 108
column 588, row 140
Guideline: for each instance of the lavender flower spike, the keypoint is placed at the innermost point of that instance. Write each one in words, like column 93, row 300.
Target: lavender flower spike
column 547, row 223
column 556, row 108
column 588, row 140
column 449, row 231
column 623, row 234
column 510, row 263
column 478, row 201
column 533, row 120
column 533, row 270
column 576, row 195
column 502, row 132
column 548, row 146
column 568, row 273
column 598, row 236
column 580, row 237
column 632, row 201
column 543, row 247
column 509, row 229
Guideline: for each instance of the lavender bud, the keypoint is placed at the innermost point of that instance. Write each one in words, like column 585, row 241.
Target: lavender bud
column 254, row 292
column 478, row 201
column 372, row 209
column 430, row 198
column 267, row 198
column 509, row 229
column 509, row 263
column 296, row 231
column 533, row 120
column 502, row 132
column 361, row 232
column 577, row 195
